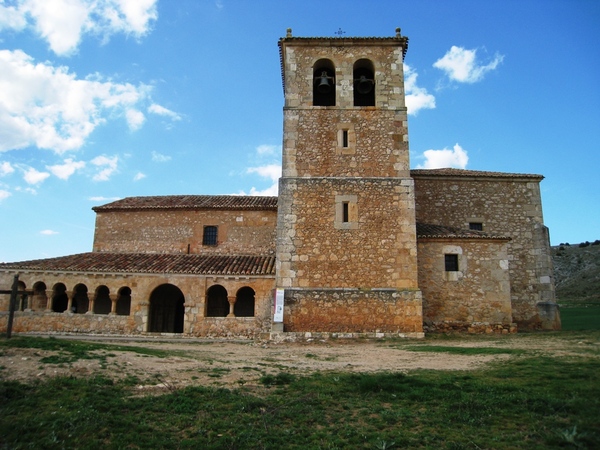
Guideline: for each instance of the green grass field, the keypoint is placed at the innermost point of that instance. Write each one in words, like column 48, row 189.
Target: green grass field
column 580, row 317
column 529, row 400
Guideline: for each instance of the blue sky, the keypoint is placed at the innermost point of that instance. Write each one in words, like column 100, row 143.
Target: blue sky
column 104, row 99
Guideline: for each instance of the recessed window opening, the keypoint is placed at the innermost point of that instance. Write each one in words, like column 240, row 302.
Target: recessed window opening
column 345, row 212
column 210, row 235
column 478, row 226
column 345, row 138
column 324, row 83
column 364, row 83
column 451, row 262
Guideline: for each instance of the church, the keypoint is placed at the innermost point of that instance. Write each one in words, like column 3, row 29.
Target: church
column 355, row 244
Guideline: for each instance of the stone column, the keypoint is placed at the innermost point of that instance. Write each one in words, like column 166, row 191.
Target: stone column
column 49, row 299
column 91, row 301
column 69, row 301
column 231, row 301
column 113, row 304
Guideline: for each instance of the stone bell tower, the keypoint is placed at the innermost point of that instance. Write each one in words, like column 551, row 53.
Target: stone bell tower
column 346, row 239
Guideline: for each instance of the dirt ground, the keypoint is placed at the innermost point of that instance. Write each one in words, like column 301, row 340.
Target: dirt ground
column 236, row 364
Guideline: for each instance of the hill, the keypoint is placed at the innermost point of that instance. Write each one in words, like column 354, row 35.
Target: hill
column 577, row 273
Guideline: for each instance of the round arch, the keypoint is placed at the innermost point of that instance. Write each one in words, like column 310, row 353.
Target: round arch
column 60, row 300
column 244, row 302
column 102, row 302
column 217, row 304
column 166, row 309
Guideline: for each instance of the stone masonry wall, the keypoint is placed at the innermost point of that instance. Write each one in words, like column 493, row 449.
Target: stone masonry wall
column 377, row 147
column 171, row 231
column 376, row 251
column 353, row 311
column 477, row 297
column 509, row 206
column 38, row 318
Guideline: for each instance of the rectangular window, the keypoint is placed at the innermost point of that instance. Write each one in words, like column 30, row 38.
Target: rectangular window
column 345, row 138
column 478, row 226
column 345, row 212
column 210, row 235
column 451, row 262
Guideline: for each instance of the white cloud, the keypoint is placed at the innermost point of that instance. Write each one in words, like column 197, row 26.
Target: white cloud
column 437, row 159
column 135, row 119
column 4, row 194
column 461, row 65
column 65, row 170
column 103, row 199
column 267, row 149
column 106, row 165
column 417, row 98
column 270, row 171
column 162, row 111
column 158, row 157
column 33, row 176
column 48, row 232
column 50, row 108
column 139, row 176
column 11, row 18
column 6, row 168
column 63, row 23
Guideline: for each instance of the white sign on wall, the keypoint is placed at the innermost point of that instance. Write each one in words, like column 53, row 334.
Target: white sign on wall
column 278, row 316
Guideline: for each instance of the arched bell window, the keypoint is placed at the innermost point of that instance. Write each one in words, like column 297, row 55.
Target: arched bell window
column 364, row 83
column 324, row 83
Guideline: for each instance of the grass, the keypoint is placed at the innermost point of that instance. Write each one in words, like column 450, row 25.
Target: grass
column 575, row 318
column 527, row 401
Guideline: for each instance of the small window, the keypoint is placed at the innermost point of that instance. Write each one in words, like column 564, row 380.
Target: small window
column 210, row 235
column 451, row 262
column 345, row 138
column 345, row 212
column 477, row 226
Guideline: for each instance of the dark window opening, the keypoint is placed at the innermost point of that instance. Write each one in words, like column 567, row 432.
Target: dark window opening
column 324, row 83
column 451, row 262
column 478, row 226
column 244, row 303
column 80, row 303
column 345, row 212
column 210, row 236
column 102, row 302
column 217, row 304
column 364, row 83
column 60, row 300
column 124, row 302
column 345, row 138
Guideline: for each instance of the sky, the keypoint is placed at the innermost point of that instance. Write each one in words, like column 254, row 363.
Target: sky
column 106, row 99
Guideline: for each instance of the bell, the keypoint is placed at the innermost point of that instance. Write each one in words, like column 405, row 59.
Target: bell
column 364, row 85
column 324, row 86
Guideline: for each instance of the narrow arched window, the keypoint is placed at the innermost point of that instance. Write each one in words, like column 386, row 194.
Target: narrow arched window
column 324, row 83
column 364, row 83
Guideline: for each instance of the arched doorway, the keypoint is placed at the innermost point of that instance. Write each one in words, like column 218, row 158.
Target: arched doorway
column 166, row 310
column 81, row 301
column 217, row 304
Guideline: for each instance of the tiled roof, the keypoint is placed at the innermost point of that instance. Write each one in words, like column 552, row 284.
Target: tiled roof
column 228, row 202
column 470, row 173
column 425, row 230
column 151, row 263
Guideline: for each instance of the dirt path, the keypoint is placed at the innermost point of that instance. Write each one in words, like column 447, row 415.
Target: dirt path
column 232, row 364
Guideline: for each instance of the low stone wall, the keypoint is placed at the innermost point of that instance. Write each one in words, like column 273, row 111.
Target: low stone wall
column 51, row 322
column 353, row 311
column 472, row 328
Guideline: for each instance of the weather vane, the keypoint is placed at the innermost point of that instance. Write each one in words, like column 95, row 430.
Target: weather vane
column 339, row 32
